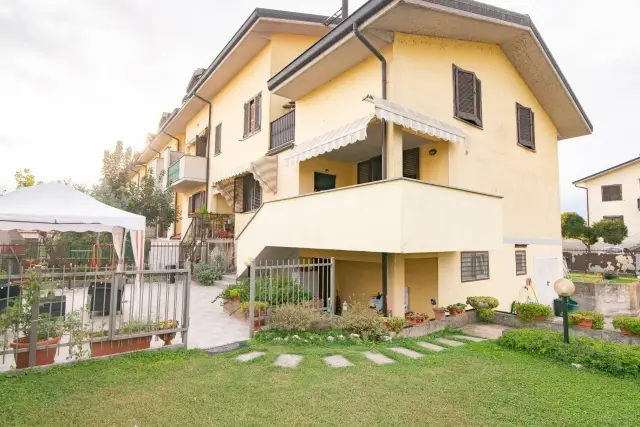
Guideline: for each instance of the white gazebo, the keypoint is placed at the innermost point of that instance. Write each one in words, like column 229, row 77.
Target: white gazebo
column 57, row 207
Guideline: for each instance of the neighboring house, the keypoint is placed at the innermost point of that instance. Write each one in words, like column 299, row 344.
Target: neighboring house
column 440, row 181
column 614, row 193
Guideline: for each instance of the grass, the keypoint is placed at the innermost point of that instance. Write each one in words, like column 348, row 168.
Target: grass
column 597, row 278
column 479, row 384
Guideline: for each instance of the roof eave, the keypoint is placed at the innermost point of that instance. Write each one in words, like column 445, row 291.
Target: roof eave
column 607, row 171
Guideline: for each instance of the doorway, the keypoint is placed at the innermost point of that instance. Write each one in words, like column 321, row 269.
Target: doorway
column 544, row 276
column 323, row 181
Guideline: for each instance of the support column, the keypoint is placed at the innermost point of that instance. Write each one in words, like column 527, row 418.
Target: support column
column 394, row 151
column 396, row 284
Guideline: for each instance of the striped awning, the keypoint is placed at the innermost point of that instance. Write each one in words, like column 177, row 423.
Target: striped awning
column 357, row 130
column 264, row 170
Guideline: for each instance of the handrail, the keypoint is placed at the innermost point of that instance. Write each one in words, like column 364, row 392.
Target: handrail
column 283, row 130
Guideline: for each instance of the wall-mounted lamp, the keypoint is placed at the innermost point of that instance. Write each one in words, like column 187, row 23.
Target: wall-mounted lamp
column 433, row 152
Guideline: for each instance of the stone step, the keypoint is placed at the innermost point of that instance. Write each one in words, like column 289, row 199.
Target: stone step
column 250, row 356
column 468, row 338
column 337, row 361
column 450, row 343
column 288, row 360
column 377, row 358
column 430, row 346
column 406, row 352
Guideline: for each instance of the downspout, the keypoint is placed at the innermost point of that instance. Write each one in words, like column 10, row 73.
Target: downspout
column 171, row 136
column 587, row 192
column 383, row 63
column 206, row 190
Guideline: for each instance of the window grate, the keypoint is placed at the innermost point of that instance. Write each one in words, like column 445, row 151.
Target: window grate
column 611, row 193
column 521, row 263
column 474, row 266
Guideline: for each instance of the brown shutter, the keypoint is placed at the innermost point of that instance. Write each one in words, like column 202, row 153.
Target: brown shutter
column 218, row 142
column 238, row 196
column 465, row 94
column 246, row 120
column 411, row 163
column 525, row 126
column 257, row 195
column 364, row 172
column 478, row 102
column 258, row 106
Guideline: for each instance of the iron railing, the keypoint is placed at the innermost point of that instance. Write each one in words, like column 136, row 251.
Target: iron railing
column 283, row 130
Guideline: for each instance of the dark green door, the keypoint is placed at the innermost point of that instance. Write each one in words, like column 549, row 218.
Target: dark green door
column 323, row 181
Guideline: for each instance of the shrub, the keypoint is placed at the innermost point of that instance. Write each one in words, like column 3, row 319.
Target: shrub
column 276, row 291
column 360, row 319
column 396, row 324
column 485, row 314
column 483, row 302
column 578, row 316
column 617, row 359
column 530, row 310
column 206, row 274
column 299, row 317
column 257, row 305
column 627, row 322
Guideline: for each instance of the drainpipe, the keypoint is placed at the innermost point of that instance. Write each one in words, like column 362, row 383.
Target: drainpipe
column 587, row 193
column 206, row 189
column 383, row 63
column 171, row 136
column 345, row 9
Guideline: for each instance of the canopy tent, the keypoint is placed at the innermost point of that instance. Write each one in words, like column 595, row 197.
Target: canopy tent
column 57, row 207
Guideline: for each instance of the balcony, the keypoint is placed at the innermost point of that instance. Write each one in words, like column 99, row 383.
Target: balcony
column 283, row 132
column 187, row 173
column 396, row 216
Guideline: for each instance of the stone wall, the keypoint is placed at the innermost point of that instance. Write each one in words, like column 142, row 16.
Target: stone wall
column 609, row 299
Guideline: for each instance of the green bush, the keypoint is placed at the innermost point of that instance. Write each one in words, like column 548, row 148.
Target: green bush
column 299, row 318
column 276, row 291
column 627, row 322
column 207, row 274
column 396, row 323
column 485, row 314
column 361, row 319
column 616, row 359
column 480, row 302
column 530, row 310
column 578, row 316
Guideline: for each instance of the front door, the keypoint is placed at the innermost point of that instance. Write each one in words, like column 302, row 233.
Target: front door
column 545, row 275
column 323, row 181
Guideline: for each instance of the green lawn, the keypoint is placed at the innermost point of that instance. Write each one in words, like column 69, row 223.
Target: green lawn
column 476, row 385
column 597, row 278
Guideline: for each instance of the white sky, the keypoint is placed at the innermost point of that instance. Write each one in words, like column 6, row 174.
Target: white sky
column 76, row 76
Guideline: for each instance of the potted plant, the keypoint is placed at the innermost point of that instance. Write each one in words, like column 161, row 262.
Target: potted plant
column 416, row 319
column 395, row 323
column 440, row 313
column 230, row 299
column 483, row 302
column 259, row 312
column 628, row 325
column 122, row 345
column 533, row 311
column 457, row 309
column 167, row 324
column 587, row 319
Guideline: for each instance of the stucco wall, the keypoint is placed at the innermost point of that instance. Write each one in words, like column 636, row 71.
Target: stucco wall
column 358, row 280
column 345, row 173
column 421, row 276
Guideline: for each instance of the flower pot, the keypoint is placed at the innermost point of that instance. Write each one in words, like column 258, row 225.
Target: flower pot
column 540, row 318
column 418, row 322
column 231, row 305
column 456, row 313
column 625, row 331
column 585, row 323
column 44, row 356
column 440, row 315
column 105, row 348
column 167, row 338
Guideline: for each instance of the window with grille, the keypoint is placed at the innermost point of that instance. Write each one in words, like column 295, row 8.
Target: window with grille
column 251, row 194
column 252, row 116
column 614, row 218
column 474, row 266
column 218, row 140
column 525, row 127
column 521, row 263
column 611, row 193
column 467, row 96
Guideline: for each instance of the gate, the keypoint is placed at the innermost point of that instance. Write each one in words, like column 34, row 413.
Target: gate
column 48, row 315
column 294, row 281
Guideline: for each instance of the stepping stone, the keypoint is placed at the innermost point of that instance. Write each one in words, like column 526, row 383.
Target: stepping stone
column 406, row 352
column 250, row 356
column 337, row 361
column 430, row 346
column 288, row 360
column 450, row 342
column 377, row 358
column 463, row 337
column 491, row 332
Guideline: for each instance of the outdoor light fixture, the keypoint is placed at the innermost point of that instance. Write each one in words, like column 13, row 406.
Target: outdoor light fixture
column 433, row 152
column 565, row 288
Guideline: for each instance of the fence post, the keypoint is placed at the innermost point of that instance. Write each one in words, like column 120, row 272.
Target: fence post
column 252, row 297
column 35, row 314
column 185, row 310
column 113, row 301
column 332, row 287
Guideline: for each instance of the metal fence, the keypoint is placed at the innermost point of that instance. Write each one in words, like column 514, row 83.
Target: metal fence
column 295, row 281
column 617, row 261
column 49, row 315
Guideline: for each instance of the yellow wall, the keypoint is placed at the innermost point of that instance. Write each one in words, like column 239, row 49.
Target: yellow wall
column 345, row 172
column 421, row 277
column 185, row 214
column 198, row 123
column 357, row 280
column 435, row 168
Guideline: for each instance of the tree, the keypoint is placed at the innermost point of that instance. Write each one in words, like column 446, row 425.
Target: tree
column 612, row 231
column 25, row 178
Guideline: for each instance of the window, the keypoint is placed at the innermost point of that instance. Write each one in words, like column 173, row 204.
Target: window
column 611, row 193
column 371, row 170
column 201, row 145
column 252, row 116
column 411, row 163
column 474, row 266
column 218, row 140
column 614, row 218
column 196, row 201
column 525, row 126
column 323, row 181
column 467, row 96
column 247, row 194
column 521, row 263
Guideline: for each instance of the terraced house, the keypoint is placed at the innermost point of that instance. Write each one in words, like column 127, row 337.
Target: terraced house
column 415, row 141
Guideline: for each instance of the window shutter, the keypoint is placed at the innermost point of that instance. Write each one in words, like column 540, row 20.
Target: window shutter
column 257, row 195
column 191, row 210
column 410, row 163
column 478, row 102
column 364, row 172
column 246, row 120
column 238, row 195
column 465, row 94
column 218, row 143
column 258, row 106
column 524, row 121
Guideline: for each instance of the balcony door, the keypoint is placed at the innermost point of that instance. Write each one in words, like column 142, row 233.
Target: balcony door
column 201, row 146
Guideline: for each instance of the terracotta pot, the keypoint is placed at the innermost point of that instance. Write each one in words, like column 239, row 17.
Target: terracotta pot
column 231, row 305
column 625, row 331
column 105, row 348
column 456, row 313
column 167, row 338
column 585, row 323
column 440, row 315
column 44, row 356
column 540, row 318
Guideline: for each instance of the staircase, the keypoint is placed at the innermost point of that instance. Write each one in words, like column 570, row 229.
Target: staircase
column 202, row 229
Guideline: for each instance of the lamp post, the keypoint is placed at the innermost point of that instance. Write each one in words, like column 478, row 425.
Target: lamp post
column 565, row 288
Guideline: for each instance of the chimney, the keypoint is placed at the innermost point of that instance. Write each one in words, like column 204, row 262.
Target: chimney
column 345, row 9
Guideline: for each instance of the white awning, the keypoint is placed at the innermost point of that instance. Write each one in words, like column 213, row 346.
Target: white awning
column 357, row 130
column 264, row 170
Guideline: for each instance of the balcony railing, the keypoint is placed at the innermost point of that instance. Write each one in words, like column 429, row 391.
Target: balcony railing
column 283, row 130
column 174, row 173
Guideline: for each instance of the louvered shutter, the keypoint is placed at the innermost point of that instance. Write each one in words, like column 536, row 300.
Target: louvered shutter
column 238, row 195
column 257, row 195
column 525, row 127
column 410, row 163
column 364, row 172
column 465, row 94
column 258, row 107
column 478, row 120
column 246, row 120
column 218, row 143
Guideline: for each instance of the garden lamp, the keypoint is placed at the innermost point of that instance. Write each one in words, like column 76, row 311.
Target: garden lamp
column 565, row 288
